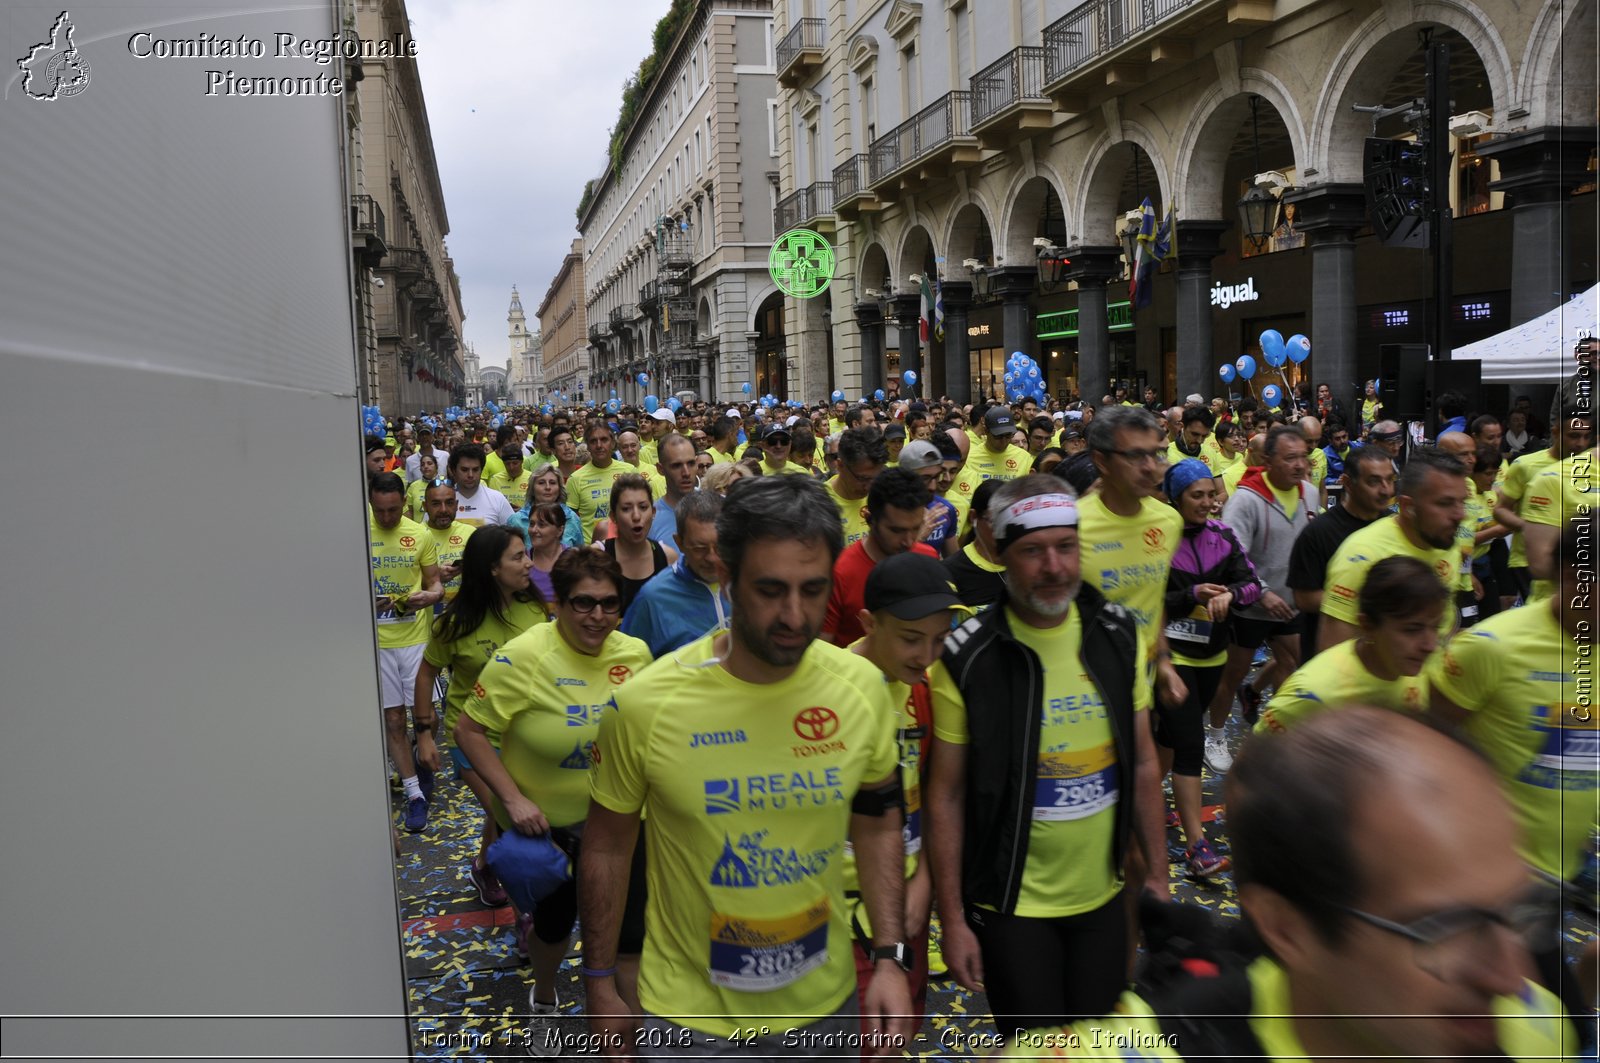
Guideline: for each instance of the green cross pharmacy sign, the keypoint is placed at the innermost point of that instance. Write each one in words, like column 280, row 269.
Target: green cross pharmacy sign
column 801, row 263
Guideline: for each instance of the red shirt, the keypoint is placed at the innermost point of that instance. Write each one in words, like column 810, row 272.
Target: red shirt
column 849, row 593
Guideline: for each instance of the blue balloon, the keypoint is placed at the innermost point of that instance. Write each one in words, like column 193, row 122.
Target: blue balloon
column 1227, row 373
column 1271, row 395
column 613, row 392
column 642, row 379
column 1033, row 372
column 1272, row 347
column 612, row 406
column 1246, row 366
column 878, row 394
column 909, row 377
column 838, row 395
column 1299, row 348
column 674, row 404
column 651, row 404
column 745, row 387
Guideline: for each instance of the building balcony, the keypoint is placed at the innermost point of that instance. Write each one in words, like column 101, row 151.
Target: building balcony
column 649, row 295
column 409, row 264
column 807, row 207
column 674, row 250
column 852, row 191
column 799, row 53
column 621, row 315
column 1008, row 97
column 367, row 229
column 1120, row 43
column 930, row 141
column 598, row 331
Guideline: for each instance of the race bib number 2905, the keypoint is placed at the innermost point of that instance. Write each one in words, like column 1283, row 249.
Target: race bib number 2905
column 1075, row 785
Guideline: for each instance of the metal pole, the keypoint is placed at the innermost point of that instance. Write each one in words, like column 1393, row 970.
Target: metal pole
column 1441, row 160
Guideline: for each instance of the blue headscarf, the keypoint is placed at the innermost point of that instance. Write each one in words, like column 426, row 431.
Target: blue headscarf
column 1181, row 475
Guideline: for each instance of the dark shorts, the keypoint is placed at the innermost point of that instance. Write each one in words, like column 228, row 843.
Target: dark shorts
column 1251, row 634
column 556, row 914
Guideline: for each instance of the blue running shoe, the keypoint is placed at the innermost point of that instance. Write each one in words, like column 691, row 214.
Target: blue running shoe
column 417, row 814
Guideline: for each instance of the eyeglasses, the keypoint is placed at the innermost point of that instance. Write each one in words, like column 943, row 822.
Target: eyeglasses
column 585, row 603
column 1451, row 943
column 442, row 481
column 1139, row 457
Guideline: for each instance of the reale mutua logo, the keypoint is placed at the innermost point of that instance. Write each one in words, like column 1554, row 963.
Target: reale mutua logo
column 55, row 69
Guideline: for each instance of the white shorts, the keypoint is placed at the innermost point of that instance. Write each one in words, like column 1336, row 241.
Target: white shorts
column 397, row 675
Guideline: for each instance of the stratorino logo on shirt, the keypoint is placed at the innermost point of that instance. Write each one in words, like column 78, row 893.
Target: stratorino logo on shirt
column 748, row 864
column 778, row 791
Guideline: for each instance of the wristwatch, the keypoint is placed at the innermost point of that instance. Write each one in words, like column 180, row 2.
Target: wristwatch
column 896, row 952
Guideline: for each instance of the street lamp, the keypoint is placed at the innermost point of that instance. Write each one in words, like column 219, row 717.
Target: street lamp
column 982, row 280
column 1258, row 208
column 1051, row 264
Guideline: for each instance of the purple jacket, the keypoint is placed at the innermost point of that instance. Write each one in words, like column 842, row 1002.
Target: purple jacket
column 1207, row 553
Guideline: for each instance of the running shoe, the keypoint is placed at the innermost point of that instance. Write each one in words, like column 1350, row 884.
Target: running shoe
column 524, row 931
column 1202, row 861
column 1172, row 819
column 544, row 1039
column 1250, row 702
column 425, row 777
column 490, row 892
column 1217, row 756
column 936, row 965
column 417, row 814
column 1260, row 657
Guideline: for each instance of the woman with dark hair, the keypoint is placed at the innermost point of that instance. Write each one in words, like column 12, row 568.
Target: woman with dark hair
column 530, row 729
column 1402, row 606
column 417, row 489
column 546, row 537
column 1210, row 574
column 639, row 556
column 1048, row 458
column 493, row 606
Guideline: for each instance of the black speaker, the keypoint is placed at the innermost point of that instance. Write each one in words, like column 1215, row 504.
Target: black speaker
column 1403, row 381
column 1463, row 377
column 1395, row 174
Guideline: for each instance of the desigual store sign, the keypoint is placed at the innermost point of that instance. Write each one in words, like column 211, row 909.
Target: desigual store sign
column 1225, row 295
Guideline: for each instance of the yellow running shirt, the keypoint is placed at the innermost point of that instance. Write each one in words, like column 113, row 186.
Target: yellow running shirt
column 1234, row 473
column 1127, row 558
column 415, row 490
column 1341, row 594
column 745, row 791
column 589, row 493
column 466, row 656
column 1334, row 680
column 984, row 464
column 1319, row 467
column 1075, row 788
column 451, row 543
column 852, row 511
column 1512, row 490
column 515, row 490
column 541, row 701
column 1560, row 491
column 398, row 556
column 1517, row 674
column 908, row 735
column 492, row 466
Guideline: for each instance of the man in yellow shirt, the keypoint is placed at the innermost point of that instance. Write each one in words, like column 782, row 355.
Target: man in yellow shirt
column 589, row 488
column 776, row 444
column 1043, row 771
column 750, row 767
column 997, row 458
column 405, row 577
column 1555, row 496
column 513, row 483
column 862, row 456
column 1432, row 495
column 1575, row 432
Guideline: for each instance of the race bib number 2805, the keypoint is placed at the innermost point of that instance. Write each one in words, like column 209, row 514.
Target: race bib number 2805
column 758, row 955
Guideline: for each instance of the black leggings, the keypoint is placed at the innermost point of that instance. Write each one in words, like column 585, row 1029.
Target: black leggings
column 554, row 917
column 1047, row 972
column 1183, row 729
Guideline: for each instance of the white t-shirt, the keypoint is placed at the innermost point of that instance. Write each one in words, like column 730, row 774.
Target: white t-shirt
column 486, row 506
column 414, row 464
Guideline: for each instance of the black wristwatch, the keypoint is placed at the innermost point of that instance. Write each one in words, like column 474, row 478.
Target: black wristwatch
column 896, row 952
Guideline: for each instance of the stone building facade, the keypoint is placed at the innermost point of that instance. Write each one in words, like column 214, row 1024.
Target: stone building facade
column 563, row 329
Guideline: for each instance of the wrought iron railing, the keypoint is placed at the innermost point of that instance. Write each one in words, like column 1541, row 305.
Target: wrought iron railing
column 366, row 216
column 799, row 207
column 1097, row 27
column 850, row 177
column 935, row 125
column 1015, row 77
column 808, row 35
column 649, row 294
column 621, row 315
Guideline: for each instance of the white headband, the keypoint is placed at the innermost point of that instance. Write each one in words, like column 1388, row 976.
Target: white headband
column 1032, row 514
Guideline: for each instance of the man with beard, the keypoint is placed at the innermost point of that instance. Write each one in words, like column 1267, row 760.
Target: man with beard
column 1036, row 791
column 1433, row 498
column 745, row 872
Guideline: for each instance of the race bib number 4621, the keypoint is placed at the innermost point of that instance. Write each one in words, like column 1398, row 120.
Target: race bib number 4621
column 758, row 955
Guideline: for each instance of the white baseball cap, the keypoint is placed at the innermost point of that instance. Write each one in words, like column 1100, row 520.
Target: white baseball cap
column 792, row 421
column 664, row 414
column 732, row 413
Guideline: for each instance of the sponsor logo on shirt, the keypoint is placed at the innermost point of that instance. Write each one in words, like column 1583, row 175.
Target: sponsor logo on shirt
column 816, row 723
column 747, row 863
column 456, row 540
column 778, row 791
column 1538, row 500
column 584, row 715
column 1101, row 548
column 1343, row 592
column 478, row 691
column 1154, row 537
column 1011, row 463
column 408, row 541
column 701, row 739
column 618, row 674
column 1442, row 567
column 578, row 759
column 562, row 681
column 1452, row 667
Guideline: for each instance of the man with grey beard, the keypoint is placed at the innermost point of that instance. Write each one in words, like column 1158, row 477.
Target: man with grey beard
column 1032, row 802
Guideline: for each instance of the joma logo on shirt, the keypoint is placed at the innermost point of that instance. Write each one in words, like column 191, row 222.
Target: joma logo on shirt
column 562, row 681
column 701, row 739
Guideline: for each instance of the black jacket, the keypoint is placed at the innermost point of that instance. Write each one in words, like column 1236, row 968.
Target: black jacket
column 999, row 679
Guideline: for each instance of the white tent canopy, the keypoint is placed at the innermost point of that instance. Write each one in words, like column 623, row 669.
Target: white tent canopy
column 1540, row 349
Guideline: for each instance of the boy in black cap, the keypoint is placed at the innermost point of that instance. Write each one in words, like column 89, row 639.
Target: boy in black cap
column 910, row 605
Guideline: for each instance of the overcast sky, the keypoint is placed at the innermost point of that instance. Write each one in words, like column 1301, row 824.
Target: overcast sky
column 520, row 96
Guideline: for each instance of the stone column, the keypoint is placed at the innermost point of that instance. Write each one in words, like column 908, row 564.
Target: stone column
column 1015, row 286
column 869, row 321
column 908, row 318
column 1330, row 215
column 705, row 376
column 1093, row 268
column 957, row 347
column 1197, row 246
column 1539, row 168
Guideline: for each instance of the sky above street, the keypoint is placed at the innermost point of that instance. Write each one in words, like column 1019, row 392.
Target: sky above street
column 520, row 97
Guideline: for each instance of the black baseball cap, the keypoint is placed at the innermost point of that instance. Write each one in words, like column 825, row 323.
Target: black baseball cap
column 910, row 586
column 777, row 428
column 999, row 419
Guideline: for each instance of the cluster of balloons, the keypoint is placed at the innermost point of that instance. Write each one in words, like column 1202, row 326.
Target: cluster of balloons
column 372, row 422
column 1276, row 350
column 1024, row 379
column 454, row 414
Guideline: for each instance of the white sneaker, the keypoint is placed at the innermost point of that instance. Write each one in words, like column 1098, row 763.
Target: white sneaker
column 1217, row 757
column 544, row 1035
